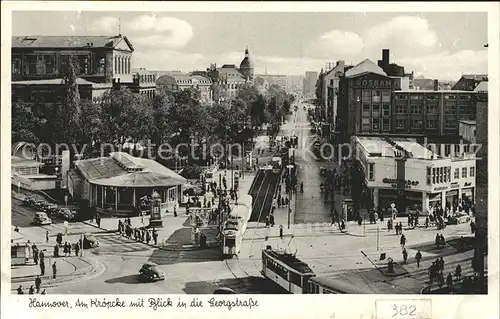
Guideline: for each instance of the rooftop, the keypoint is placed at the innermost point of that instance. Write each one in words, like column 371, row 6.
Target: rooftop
column 382, row 147
column 432, row 91
column 291, row 261
column 20, row 162
column 364, row 67
column 482, row 87
column 124, row 170
column 58, row 81
column 475, row 77
column 74, row 42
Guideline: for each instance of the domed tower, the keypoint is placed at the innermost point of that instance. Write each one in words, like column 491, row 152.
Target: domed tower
column 246, row 66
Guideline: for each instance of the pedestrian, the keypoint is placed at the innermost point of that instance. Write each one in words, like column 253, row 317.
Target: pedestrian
column 388, row 225
column 427, row 222
column 31, row 291
column 148, row 236
column 77, row 249
column 458, row 271
column 175, row 209
column 271, row 219
column 35, row 255
column 42, row 268
column 65, row 249
column 20, row 290
column 69, row 249
column 441, row 265
column 43, row 292
column 119, row 226
column 38, row 283
column 98, row 221
column 441, row 239
column 267, row 221
column 437, row 241
column 440, row 280
column 155, row 237
column 54, row 270
column 56, row 251
column 449, row 280
column 281, row 231
column 472, row 227
column 418, row 257
column 402, row 241
column 405, row 256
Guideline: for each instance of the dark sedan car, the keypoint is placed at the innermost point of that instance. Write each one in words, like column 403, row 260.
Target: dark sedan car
column 151, row 272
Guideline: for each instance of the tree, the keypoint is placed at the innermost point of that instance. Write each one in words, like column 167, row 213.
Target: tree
column 90, row 127
column 70, row 108
column 25, row 125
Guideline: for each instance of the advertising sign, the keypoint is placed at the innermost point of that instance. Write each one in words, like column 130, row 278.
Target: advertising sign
column 372, row 82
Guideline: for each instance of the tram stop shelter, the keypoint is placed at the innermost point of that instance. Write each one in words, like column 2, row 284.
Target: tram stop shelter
column 119, row 183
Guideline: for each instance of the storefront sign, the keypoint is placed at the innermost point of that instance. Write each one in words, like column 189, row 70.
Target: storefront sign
column 468, row 184
column 441, row 188
column 372, row 84
column 408, row 184
column 454, row 185
column 434, row 197
column 452, row 193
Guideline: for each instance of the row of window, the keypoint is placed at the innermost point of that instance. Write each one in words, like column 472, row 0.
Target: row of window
column 416, row 123
column 437, row 175
column 277, row 268
column 122, row 65
column 376, row 124
column 456, row 173
column 376, row 96
column 417, row 96
column 148, row 93
column 147, row 78
column 375, row 109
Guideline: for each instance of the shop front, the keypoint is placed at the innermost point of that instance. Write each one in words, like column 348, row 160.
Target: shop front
column 467, row 193
column 412, row 200
column 435, row 200
column 452, row 198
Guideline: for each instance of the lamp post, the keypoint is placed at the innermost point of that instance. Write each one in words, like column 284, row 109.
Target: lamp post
column 289, row 192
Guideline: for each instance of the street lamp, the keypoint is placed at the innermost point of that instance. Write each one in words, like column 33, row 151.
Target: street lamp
column 289, row 191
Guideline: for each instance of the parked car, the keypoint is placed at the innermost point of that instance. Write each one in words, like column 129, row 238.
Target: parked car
column 29, row 201
column 458, row 218
column 41, row 218
column 66, row 214
column 152, row 272
column 224, row 291
column 52, row 209
column 40, row 204
column 89, row 241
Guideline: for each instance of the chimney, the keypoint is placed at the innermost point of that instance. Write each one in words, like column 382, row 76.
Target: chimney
column 385, row 57
column 436, row 85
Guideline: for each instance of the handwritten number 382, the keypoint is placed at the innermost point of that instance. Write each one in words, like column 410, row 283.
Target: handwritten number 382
column 403, row 310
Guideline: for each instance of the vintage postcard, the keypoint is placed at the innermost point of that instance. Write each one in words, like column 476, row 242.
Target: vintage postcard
column 262, row 150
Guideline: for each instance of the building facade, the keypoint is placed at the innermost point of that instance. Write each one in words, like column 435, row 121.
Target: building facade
column 310, row 83
column 330, row 90
column 406, row 173
column 144, row 83
column 365, row 101
column 468, row 82
column 276, row 79
column 98, row 59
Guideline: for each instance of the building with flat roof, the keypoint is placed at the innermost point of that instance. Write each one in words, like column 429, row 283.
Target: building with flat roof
column 412, row 176
column 116, row 183
column 144, row 82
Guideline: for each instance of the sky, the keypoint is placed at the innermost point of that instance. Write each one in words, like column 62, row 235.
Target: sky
column 437, row 45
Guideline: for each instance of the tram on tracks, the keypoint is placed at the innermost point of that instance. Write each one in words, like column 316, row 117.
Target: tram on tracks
column 296, row 277
column 235, row 226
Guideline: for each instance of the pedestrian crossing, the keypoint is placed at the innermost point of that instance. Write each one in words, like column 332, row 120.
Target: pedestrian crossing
column 422, row 273
column 115, row 243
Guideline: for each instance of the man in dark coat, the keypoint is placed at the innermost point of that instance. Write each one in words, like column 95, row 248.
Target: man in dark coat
column 38, row 283
column 54, row 270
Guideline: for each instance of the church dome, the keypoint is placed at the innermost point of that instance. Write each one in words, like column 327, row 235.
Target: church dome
column 246, row 63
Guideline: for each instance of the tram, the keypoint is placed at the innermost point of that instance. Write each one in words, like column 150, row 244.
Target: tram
column 235, row 226
column 286, row 271
column 297, row 277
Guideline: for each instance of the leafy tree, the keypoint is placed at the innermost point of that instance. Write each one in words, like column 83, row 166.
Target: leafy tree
column 90, row 127
column 25, row 125
column 70, row 108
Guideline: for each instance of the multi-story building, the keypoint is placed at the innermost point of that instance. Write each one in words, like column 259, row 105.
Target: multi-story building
column 310, row 83
column 372, row 103
column 365, row 101
column 99, row 59
column 230, row 81
column 408, row 174
column 331, row 81
column 468, row 82
column 176, row 80
column 144, row 82
column 39, row 64
column 276, row 79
